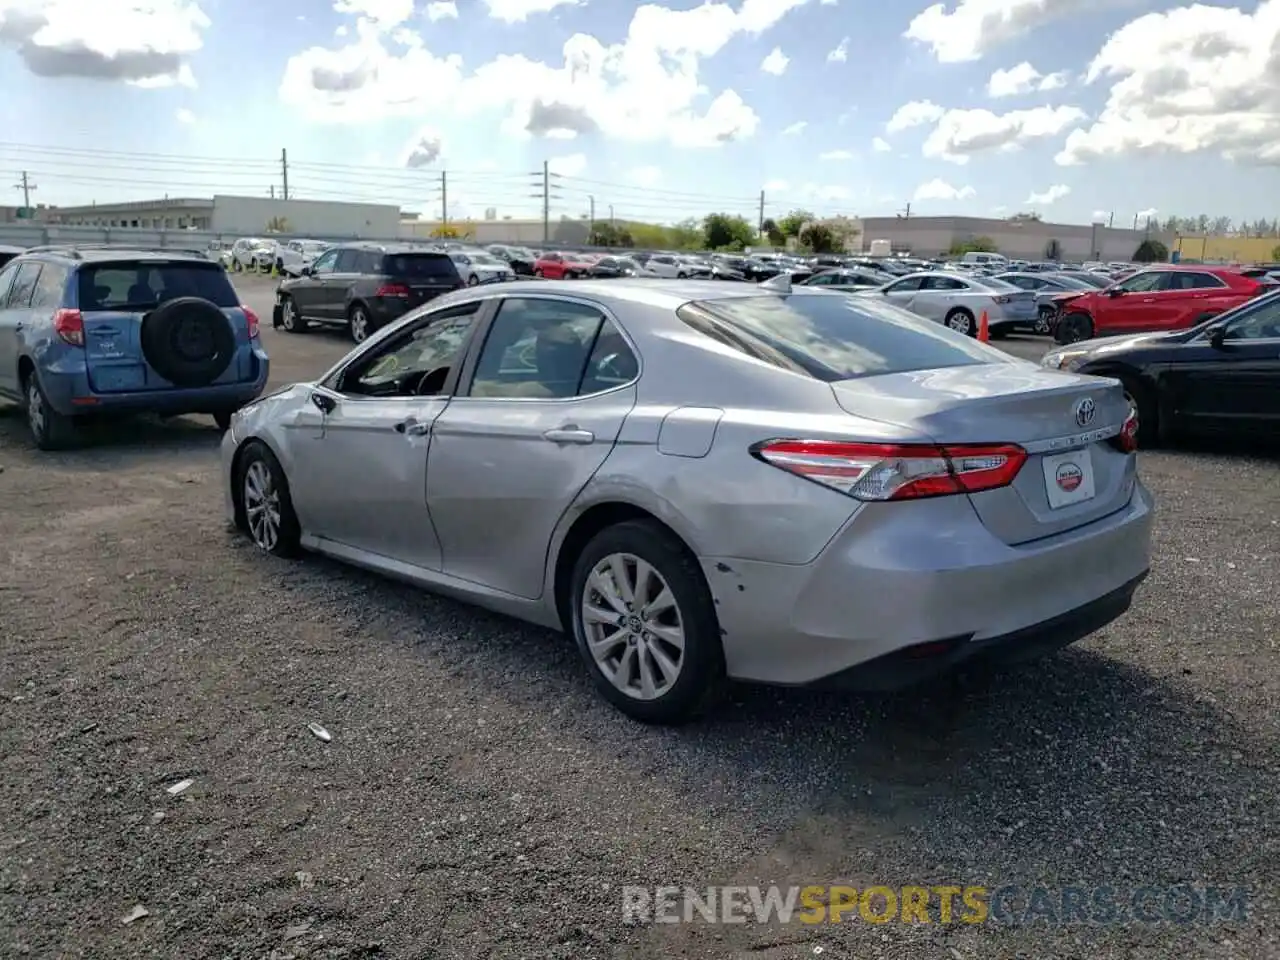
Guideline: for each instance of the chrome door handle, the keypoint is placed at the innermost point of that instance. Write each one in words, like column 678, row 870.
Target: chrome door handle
column 570, row 435
column 413, row 428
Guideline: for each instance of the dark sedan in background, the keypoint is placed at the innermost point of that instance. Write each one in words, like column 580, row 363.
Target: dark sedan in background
column 1220, row 377
column 520, row 259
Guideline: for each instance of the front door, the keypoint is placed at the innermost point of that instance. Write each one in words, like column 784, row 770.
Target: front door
column 543, row 407
column 334, row 285
column 1131, row 305
column 308, row 292
column 361, row 477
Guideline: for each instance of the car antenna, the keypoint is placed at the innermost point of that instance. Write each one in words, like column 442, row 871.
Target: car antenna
column 781, row 283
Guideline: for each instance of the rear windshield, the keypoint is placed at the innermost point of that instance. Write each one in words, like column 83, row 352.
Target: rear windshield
column 140, row 285
column 420, row 266
column 831, row 337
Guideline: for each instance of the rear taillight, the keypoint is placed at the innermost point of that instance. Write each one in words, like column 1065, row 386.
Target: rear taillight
column 392, row 290
column 251, row 319
column 69, row 326
column 1126, row 441
column 880, row 471
column 1003, row 298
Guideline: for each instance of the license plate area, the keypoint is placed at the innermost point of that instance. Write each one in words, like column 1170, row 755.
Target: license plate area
column 1069, row 478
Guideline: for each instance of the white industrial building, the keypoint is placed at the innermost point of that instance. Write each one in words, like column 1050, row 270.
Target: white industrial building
column 228, row 215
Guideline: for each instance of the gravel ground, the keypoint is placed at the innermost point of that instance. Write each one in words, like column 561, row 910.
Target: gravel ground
column 478, row 800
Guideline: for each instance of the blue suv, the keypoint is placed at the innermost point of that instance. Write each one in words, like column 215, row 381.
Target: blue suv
column 88, row 332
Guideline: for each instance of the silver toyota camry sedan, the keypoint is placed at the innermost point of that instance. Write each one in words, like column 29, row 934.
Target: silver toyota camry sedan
column 703, row 481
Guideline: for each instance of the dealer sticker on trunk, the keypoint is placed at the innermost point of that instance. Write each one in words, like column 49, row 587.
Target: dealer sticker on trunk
column 1068, row 478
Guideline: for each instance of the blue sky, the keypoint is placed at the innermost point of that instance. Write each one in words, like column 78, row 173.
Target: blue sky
column 1076, row 109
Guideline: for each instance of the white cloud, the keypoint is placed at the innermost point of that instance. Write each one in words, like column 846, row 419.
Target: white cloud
column 442, row 10
column 797, row 127
column 185, row 116
column 1191, row 79
column 1024, row 78
column 976, row 27
column 880, row 145
column 1052, row 195
column 1100, row 216
column 1147, row 214
column 828, row 192
column 776, row 62
column 148, row 43
column 568, row 166
column 999, row 209
column 774, row 186
column 836, row 155
column 961, row 133
column 424, row 149
column 645, row 88
column 917, row 113
column 937, row 189
column 841, row 52
column 646, row 176
column 828, row 3
column 386, row 13
column 518, row 11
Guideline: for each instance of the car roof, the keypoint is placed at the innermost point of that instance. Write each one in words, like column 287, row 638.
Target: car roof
column 91, row 255
column 392, row 248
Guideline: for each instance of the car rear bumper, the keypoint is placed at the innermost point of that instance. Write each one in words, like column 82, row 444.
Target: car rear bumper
column 69, row 392
column 889, row 581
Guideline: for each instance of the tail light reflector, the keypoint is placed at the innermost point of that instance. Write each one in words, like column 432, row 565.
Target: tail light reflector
column 392, row 290
column 69, row 326
column 880, row 471
column 251, row 319
column 1126, row 441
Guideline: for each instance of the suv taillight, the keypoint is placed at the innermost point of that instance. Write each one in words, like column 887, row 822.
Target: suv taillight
column 392, row 290
column 251, row 319
column 69, row 326
column 884, row 471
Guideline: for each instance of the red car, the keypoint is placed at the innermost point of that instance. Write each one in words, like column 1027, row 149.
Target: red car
column 561, row 266
column 1159, row 298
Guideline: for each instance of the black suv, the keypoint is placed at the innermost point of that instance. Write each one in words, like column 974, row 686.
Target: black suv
column 520, row 259
column 363, row 286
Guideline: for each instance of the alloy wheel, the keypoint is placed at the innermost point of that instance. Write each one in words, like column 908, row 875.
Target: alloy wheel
column 960, row 322
column 35, row 409
column 634, row 629
column 286, row 315
column 359, row 325
column 262, row 505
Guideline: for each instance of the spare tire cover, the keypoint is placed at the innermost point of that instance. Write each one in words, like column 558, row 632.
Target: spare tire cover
column 188, row 341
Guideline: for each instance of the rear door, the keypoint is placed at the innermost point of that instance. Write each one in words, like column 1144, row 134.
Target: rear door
column 1191, row 296
column 538, row 413
column 13, row 321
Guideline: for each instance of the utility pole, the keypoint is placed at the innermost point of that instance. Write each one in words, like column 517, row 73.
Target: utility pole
column 1111, row 219
column 444, row 198
column 271, row 191
column 760, row 223
column 611, row 214
column 906, row 212
column 26, row 186
column 592, row 216
column 543, row 179
column 284, row 171
column 1135, row 222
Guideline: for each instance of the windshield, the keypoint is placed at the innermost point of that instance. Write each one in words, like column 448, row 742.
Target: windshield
column 145, row 285
column 831, row 337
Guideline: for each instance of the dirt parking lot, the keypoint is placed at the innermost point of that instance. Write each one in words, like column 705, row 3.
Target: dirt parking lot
column 477, row 798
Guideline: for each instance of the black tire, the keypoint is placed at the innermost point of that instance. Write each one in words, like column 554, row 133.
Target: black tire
column 961, row 321
column 1142, row 396
column 290, row 320
column 1074, row 327
column 359, row 323
column 570, row 275
column 473, row 280
column 289, row 536
column 49, row 429
column 701, row 680
column 188, row 341
column 682, row 276
column 223, row 419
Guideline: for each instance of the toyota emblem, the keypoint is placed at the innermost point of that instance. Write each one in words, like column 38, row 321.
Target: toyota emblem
column 1084, row 412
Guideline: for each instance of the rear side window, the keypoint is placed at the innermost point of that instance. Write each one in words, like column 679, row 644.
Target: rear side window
column 51, row 287
column 24, row 285
column 139, row 286
column 831, row 337
column 1186, row 280
column 420, row 266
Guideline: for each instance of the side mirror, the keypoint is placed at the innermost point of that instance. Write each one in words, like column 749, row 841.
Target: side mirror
column 1217, row 335
column 304, row 272
column 325, row 403
column 1114, row 292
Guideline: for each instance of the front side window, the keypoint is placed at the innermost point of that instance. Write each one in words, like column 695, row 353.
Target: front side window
column 909, row 285
column 418, row 362
column 537, row 349
column 325, row 262
column 1143, row 282
column 1260, row 322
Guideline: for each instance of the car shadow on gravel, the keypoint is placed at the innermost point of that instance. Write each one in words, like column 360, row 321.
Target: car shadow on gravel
column 120, row 442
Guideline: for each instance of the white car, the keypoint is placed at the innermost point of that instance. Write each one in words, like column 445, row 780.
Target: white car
column 959, row 300
column 479, row 266
column 291, row 257
column 253, row 253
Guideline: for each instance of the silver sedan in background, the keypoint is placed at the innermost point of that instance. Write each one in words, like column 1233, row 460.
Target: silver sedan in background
column 700, row 481
column 479, row 266
column 958, row 300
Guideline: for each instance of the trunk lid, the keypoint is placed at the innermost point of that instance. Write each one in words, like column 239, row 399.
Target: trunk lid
column 1020, row 305
column 1073, row 476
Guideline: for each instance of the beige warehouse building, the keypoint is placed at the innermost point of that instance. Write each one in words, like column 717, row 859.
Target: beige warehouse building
column 1021, row 239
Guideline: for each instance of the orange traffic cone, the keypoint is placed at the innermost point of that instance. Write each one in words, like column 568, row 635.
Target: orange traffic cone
column 984, row 329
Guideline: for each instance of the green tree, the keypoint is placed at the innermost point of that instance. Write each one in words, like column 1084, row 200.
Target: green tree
column 773, row 233
column 973, row 245
column 605, row 233
column 819, row 238
column 650, row 236
column 1151, row 251
column 685, row 235
column 1275, row 252
column 791, row 224
column 723, row 231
